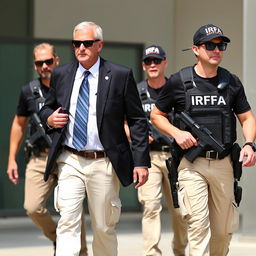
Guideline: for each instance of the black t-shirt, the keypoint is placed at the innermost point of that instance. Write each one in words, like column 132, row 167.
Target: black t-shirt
column 154, row 93
column 172, row 95
column 26, row 105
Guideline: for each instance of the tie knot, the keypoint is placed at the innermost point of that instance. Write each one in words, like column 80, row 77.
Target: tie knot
column 86, row 73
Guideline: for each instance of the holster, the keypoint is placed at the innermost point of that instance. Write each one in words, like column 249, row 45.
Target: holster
column 237, row 166
column 237, row 192
column 27, row 151
column 237, row 171
column 172, row 165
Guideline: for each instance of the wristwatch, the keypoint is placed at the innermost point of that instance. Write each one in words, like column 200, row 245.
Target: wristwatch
column 252, row 144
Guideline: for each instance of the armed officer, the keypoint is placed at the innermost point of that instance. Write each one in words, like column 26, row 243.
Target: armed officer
column 211, row 97
column 31, row 99
column 150, row 194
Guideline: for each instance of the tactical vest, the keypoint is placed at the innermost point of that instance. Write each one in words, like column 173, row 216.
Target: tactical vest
column 211, row 109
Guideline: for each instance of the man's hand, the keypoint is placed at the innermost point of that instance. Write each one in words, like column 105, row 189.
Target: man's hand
column 247, row 153
column 185, row 139
column 12, row 172
column 150, row 139
column 57, row 119
column 140, row 175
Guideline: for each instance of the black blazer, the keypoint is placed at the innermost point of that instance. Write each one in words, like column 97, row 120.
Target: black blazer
column 117, row 100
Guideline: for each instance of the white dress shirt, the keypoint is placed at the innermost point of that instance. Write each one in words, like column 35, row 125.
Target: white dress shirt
column 93, row 141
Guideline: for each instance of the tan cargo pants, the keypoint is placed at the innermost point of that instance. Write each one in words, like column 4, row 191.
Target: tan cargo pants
column 206, row 200
column 150, row 196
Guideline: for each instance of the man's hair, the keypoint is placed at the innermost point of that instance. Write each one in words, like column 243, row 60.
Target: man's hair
column 43, row 46
column 89, row 24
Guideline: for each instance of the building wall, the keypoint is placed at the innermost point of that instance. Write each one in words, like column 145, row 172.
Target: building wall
column 169, row 23
column 122, row 21
column 190, row 15
column 248, row 207
column 16, row 19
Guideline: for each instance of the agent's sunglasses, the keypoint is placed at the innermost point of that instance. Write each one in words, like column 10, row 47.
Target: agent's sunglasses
column 156, row 61
column 210, row 46
column 40, row 63
column 86, row 43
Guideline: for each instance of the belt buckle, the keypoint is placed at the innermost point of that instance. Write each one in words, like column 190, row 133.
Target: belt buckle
column 165, row 148
column 208, row 155
column 94, row 154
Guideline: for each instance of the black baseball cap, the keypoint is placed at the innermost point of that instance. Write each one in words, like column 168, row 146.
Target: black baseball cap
column 207, row 33
column 154, row 51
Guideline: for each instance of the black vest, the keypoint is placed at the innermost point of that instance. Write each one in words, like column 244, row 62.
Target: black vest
column 211, row 109
column 37, row 94
column 147, row 102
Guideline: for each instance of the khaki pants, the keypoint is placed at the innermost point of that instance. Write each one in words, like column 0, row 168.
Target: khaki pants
column 37, row 191
column 95, row 179
column 206, row 199
column 150, row 195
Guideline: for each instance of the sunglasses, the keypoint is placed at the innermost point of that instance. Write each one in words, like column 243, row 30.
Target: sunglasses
column 210, row 46
column 156, row 61
column 40, row 63
column 86, row 43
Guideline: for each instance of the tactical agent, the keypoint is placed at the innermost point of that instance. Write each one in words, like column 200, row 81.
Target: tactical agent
column 150, row 194
column 211, row 97
column 37, row 191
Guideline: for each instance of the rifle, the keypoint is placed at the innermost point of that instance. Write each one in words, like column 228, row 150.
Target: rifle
column 158, row 136
column 40, row 133
column 203, row 134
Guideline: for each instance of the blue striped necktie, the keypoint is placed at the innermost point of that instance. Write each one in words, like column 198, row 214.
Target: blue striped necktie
column 81, row 116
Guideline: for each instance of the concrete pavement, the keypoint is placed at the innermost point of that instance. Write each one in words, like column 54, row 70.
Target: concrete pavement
column 19, row 237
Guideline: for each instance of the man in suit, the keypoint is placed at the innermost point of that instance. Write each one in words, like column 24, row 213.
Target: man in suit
column 85, row 112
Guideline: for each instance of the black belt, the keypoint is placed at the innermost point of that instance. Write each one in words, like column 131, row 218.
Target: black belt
column 213, row 155
column 87, row 154
column 160, row 148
